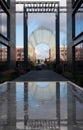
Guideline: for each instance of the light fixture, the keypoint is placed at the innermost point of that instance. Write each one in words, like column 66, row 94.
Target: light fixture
column 47, row 5
column 31, row 5
column 37, row 5
column 41, row 5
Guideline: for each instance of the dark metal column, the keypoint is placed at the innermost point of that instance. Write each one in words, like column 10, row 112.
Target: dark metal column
column 73, row 60
column 25, row 39
column 11, row 108
column 8, row 57
column 25, row 103
column 58, row 104
column 57, row 37
column 71, row 108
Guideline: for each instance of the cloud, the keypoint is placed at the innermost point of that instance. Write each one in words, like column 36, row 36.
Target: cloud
column 42, row 51
column 46, row 49
column 37, row 52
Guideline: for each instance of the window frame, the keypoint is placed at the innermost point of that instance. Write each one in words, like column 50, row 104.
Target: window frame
column 75, row 9
column 7, row 24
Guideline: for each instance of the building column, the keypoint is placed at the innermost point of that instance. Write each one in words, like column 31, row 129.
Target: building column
column 12, row 31
column 58, row 105
column 69, row 32
column 11, row 108
column 71, row 108
column 25, row 39
column 57, row 36
column 25, row 104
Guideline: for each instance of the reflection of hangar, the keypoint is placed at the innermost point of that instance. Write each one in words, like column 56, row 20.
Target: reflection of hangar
column 42, row 91
column 41, row 35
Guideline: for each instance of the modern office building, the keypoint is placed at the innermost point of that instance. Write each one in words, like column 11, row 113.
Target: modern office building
column 63, row 54
column 75, row 34
column 19, row 54
column 7, row 34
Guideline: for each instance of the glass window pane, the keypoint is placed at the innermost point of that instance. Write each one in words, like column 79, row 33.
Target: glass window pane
column 3, row 22
column 79, row 52
column 79, row 21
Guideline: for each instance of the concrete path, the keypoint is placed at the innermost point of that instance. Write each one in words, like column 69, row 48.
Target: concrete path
column 41, row 75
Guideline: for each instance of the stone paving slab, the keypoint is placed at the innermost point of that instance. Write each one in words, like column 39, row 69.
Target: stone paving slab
column 41, row 75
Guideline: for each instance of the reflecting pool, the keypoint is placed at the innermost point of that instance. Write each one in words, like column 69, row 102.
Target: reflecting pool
column 41, row 106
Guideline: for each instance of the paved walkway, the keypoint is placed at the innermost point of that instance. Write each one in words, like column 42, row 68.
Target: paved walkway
column 41, row 75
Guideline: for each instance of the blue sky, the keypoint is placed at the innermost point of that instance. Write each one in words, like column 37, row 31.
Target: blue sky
column 42, row 50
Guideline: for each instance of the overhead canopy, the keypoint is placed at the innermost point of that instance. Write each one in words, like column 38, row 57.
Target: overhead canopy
column 42, row 35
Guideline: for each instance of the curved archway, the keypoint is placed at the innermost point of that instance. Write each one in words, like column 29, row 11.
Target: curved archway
column 43, row 35
column 42, row 91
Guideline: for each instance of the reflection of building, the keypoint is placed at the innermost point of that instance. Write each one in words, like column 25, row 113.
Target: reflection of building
column 75, row 34
column 79, row 53
column 43, row 91
column 7, row 34
column 3, row 54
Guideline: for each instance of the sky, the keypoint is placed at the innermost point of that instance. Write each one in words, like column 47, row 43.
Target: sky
column 42, row 48
column 44, row 20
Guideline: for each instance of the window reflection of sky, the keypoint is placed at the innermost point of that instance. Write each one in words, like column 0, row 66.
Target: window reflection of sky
column 63, row 89
column 79, row 21
column 42, row 84
column 19, row 100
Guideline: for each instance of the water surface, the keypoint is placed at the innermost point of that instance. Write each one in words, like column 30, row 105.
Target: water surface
column 41, row 106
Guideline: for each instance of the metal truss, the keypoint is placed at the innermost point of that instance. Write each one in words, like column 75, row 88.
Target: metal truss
column 41, row 7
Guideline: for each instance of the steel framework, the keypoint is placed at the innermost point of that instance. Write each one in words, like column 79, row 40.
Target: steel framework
column 40, row 7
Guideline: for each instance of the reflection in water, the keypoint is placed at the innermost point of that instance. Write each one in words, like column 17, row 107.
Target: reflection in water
column 42, row 100
column 42, row 91
column 42, row 84
column 41, row 106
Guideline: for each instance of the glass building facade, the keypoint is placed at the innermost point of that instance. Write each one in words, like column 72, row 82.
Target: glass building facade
column 7, row 34
column 79, row 52
column 78, row 36
column 75, row 34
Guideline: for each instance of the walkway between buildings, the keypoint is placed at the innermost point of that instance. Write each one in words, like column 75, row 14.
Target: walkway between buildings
column 41, row 75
